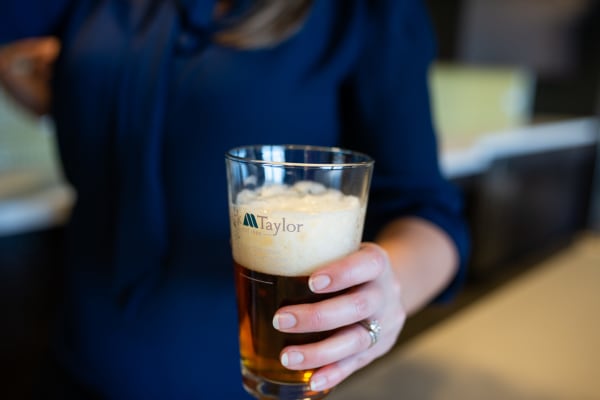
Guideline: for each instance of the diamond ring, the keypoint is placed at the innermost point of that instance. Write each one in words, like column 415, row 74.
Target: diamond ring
column 372, row 326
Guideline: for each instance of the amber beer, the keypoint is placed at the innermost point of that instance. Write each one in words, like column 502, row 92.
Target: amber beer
column 292, row 210
column 259, row 296
column 279, row 236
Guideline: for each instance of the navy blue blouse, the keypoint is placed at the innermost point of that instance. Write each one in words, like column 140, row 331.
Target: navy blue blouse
column 145, row 107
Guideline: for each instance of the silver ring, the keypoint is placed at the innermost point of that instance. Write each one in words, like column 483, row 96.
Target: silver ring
column 372, row 326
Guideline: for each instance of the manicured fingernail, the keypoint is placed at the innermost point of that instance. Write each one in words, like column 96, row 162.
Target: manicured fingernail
column 318, row 383
column 319, row 282
column 291, row 358
column 284, row 321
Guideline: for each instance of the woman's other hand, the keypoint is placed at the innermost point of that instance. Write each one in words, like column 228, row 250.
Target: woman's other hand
column 26, row 69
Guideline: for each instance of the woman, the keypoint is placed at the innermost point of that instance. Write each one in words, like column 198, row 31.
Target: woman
column 147, row 97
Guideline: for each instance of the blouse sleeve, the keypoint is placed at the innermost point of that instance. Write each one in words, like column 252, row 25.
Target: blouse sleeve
column 386, row 113
column 30, row 18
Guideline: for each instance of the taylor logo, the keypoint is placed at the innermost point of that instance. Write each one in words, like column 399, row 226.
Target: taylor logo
column 270, row 226
column 250, row 220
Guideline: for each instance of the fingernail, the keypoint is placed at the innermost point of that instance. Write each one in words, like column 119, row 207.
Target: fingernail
column 284, row 321
column 291, row 358
column 319, row 282
column 318, row 383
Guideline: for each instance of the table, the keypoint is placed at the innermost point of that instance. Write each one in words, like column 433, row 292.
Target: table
column 537, row 337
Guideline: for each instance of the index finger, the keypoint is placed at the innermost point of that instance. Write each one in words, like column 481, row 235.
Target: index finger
column 360, row 267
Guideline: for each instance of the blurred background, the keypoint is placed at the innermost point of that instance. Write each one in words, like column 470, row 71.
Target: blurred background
column 516, row 99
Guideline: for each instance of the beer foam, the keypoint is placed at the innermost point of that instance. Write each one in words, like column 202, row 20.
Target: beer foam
column 293, row 230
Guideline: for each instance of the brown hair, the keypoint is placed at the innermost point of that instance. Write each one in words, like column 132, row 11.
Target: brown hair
column 265, row 24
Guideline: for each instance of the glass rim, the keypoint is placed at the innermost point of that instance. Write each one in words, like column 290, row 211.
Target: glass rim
column 364, row 159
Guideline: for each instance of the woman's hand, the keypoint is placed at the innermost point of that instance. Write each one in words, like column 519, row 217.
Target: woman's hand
column 26, row 69
column 374, row 294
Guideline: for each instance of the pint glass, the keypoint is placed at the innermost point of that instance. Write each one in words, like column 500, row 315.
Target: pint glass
column 292, row 209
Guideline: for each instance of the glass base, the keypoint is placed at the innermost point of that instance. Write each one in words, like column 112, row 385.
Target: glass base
column 265, row 389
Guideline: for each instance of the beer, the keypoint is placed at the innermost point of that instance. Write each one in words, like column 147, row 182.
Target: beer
column 259, row 297
column 292, row 209
column 280, row 235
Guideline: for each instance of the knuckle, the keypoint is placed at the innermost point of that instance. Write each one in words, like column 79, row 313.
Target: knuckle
column 362, row 305
column 378, row 256
column 361, row 360
column 381, row 258
column 350, row 275
column 315, row 318
column 396, row 289
column 319, row 357
column 364, row 339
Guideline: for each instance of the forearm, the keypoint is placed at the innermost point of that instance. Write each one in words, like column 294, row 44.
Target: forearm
column 423, row 257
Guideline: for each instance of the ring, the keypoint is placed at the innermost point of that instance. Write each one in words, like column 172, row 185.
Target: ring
column 372, row 326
